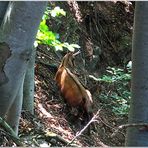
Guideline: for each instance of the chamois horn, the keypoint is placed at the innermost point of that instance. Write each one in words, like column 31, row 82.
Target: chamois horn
column 76, row 53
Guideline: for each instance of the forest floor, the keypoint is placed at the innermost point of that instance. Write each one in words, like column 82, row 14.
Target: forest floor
column 52, row 125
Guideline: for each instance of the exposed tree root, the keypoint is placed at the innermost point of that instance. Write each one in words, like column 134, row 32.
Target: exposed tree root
column 11, row 133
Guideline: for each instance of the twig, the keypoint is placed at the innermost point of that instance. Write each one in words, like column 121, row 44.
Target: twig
column 110, row 127
column 85, row 127
column 129, row 125
column 11, row 132
column 40, row 53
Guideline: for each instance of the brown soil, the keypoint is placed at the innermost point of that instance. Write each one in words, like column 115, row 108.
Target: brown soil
column 52, row 116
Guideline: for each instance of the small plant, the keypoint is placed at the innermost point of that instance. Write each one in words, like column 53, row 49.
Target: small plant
column 46, row 36
column 117, row 92
column 120, row 94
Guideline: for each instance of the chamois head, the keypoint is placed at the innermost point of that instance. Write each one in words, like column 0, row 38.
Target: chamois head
column 68, row 60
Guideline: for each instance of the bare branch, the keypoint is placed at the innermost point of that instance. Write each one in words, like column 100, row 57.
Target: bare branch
column 85, row 127
column 144, row 125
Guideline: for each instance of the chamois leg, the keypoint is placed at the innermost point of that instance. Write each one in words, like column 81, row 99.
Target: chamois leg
column 71, row 114
column 77, row 115
column 67, row 109
column 87, row 117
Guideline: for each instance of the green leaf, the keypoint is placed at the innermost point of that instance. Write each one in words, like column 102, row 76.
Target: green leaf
column 46, row 36
column 43, row 27
column 58, row 47
column 57, row 11
column 75, row 45
column 70, row 48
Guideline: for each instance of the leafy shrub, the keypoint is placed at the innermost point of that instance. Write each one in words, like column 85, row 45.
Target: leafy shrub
column 120, row 94
column 116, row 92
column 46, row 36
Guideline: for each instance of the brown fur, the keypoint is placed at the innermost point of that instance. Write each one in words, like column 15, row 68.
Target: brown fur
column 72, row 90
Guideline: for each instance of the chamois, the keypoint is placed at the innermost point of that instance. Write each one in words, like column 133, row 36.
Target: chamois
column 71, row 89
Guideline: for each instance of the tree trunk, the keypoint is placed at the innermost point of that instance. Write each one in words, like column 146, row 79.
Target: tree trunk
column 17, row 35
column 15, row 110
column 28, row 99
column 139, row 102
column 3, row 7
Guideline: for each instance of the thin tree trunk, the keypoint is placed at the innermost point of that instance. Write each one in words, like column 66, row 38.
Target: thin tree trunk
column 17, row 35
column 28, row 99
column 139, row 102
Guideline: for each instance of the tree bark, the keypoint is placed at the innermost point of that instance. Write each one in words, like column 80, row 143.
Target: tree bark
column 28, row 99
column 17, row 35
column 15, row 110
column 139, row 101
column 3, row 7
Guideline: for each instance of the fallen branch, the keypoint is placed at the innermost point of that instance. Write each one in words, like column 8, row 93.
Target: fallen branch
column 50, row 135
column 11, row 132
column 144, row 125
column 85, row 127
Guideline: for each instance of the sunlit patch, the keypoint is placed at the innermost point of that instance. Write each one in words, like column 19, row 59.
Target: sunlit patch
column 43, row 111
column 7, row 15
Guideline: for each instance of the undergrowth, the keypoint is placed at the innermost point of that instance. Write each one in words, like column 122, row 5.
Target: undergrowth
column 118, row 92
column 115, row 92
